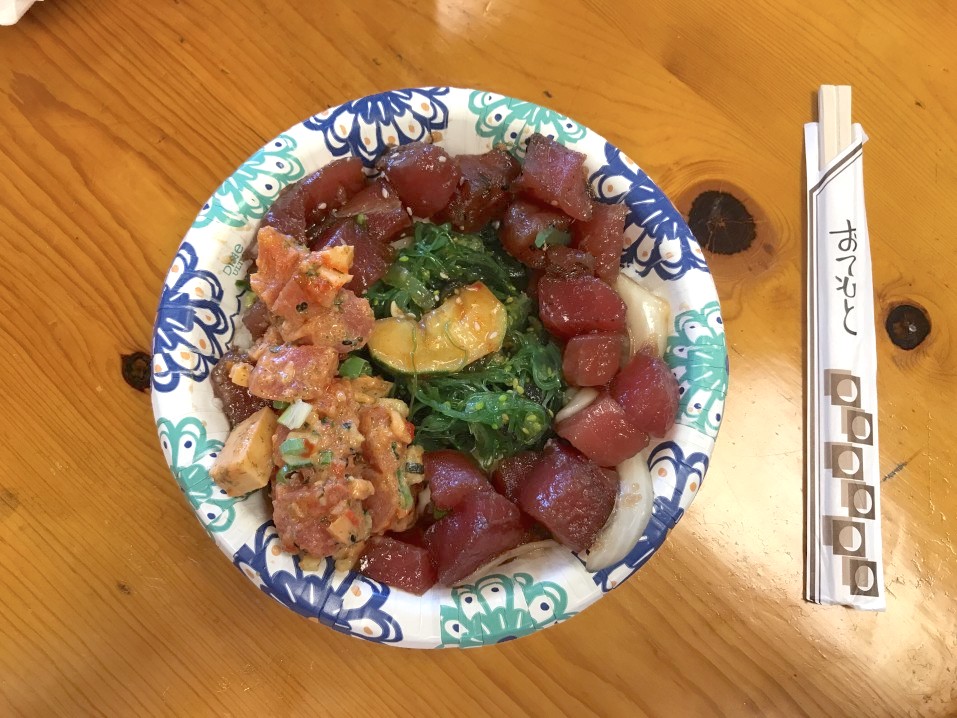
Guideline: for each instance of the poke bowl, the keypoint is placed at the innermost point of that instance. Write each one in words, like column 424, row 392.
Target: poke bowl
column 536, row 581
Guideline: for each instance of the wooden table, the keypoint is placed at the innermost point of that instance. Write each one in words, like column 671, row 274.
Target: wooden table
column 117, row 119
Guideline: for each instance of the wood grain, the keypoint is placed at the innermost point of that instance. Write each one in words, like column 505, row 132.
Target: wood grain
column 117, row 119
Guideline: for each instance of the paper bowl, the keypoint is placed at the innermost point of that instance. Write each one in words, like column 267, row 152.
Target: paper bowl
column 198, row 314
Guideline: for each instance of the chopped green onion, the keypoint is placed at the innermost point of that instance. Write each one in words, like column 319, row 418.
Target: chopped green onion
column 552, row 235
column 282, row 476
column 295, row 414
column 438, row 513
column 361, row 219
column 405, row 495
column 293, row 452
column 354, row 367
column 293, row 446
column 280, row 405
column 325, row 458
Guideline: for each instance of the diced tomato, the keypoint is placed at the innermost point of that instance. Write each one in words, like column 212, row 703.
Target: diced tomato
column 567, row 262
column 570, row 495
column 512, row 472
column 578, row 305
column 648, row 392
column 482, row 527
column 398, row 564
column 482, row 195
column 238, row 403
column 279, row 258
column 452, row 477
column 555, row 175
column 522, row 223
column 602, row 432
column 592, row 359
column 287, row 373
column 603, row 236
column 308, row 201
column 424, row 175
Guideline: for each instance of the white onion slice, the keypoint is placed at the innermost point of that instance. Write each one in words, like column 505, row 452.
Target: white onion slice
column 581, row 399
column 647, row 315
column 522, row 550
column 628, row 519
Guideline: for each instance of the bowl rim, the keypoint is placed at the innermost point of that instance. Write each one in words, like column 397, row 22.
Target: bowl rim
column 681, row 458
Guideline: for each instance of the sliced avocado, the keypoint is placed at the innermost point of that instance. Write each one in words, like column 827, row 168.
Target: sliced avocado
column 467, row 326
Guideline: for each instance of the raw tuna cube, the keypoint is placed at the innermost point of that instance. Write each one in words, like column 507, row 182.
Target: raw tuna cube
column 257, row 319
column 278, row 261
column 567, row 262
column 602, row 432
column 482, row 195
column 452, row 477
column 555, row 175
column 287, row 373
column 424, row 175
column 368, row 223
column 570, row 495
column 648, row 392
column 579, row 305
column 592, row 359
column 522, row 223
column 238, row 403
column 308, row 201
column 512, row 472
column 482, row 527
column 397, row 564
column 378, row 209
column 603, row 236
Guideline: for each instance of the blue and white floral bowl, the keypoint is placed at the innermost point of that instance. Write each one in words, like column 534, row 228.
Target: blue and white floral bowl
column 199, row 310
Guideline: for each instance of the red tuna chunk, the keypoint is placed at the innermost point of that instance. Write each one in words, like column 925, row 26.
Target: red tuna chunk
column 512, row 472
column 398, row 564
column 452, row 477
column 603, row 237
column 520, row 227
column 592, row 359
column 579, row 305
column 482, row 527
column 648, row 392
column 570, row 495
column 424, row 175
column 555, row 175
column 482, row 195
column 602, row 432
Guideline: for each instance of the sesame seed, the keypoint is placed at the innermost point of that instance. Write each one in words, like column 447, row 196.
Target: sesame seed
column 443, row 158
column 493, row 335
column 322, row 206
column 476, row 326
column 554, row 203
column 409, row 210
column 385, row 193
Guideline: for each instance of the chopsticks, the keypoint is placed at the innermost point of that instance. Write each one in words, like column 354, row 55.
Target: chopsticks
column 834, row 120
